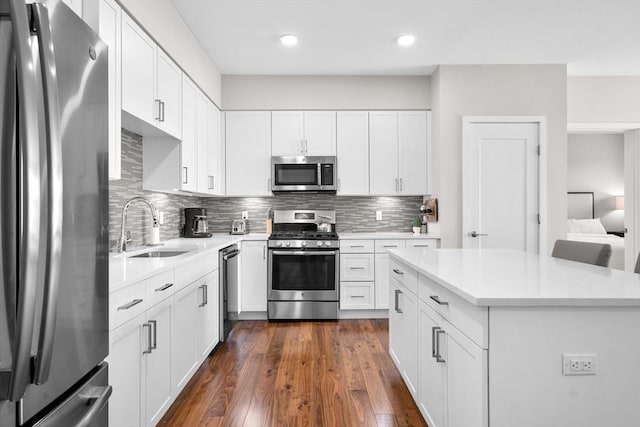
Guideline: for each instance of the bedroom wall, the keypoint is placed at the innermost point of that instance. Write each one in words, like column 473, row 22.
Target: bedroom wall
column 595, row 162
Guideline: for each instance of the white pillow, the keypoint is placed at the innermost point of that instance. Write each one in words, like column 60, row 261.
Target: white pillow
column 586, row 226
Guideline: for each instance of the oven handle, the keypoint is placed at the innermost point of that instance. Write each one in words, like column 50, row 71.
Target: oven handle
column 304, row 252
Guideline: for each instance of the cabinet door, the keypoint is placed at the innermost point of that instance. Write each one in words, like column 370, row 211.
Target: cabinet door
column 215, row 154
column 126, row 373
column 357, row 267
column 320, row 133
column 395, row 324
column 408, row 303
column 158, row 362
column 248, row 153
column 353, row 147
column 382, row 281
column 253, row 258
column 412, row 152
column 202, row 144
column 383, row 153
column 185, row 343
column 431, row 374
column 169, row 83
column 287, row 133
column 209, row 314
column 188, row 145
column 467, row 384
column 105, row 17
column 138, row 71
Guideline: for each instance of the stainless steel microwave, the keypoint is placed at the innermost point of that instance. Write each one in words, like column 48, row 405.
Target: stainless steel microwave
column 303, row 173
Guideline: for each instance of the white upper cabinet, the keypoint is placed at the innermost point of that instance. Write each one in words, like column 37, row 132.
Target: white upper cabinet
column 398, row 152
column 248, row 153
column 353, row 152
column 215, row 152
column 308, row 133
column 150, row 84
column 202, row 144
column 168, row 95
column 188, row 146
column 105, row 17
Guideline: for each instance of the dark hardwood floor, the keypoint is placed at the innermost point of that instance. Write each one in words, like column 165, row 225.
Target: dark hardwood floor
column 298, row 374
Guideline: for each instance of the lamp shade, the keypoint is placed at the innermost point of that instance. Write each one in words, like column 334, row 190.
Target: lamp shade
column 619, row 203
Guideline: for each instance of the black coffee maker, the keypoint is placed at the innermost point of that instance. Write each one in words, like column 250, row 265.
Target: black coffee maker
column 195, row 223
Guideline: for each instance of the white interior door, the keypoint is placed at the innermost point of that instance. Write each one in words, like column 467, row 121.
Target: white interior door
column 631, row 197
column 500, row 185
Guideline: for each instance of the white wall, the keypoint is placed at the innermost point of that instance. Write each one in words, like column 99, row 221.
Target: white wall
column 603, row 99
column 325, row 92
column 165, row 24
column 596, row 163
column 497, row 90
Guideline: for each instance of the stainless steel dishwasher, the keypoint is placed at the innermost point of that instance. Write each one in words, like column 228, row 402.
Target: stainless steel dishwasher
column 228, row 262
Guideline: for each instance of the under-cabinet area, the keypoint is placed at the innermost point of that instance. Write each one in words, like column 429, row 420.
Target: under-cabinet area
column 477, row 344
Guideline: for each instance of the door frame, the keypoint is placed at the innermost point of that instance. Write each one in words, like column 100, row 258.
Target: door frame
column 541, row 121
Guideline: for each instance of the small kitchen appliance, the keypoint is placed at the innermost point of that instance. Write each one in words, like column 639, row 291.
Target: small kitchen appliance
column 195, row 223
column 303, row 265
column 239, row 226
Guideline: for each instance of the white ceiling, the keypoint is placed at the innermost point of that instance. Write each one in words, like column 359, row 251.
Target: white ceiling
column 357, row 37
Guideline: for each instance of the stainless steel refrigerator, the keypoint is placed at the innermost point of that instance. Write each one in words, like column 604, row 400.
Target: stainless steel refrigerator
column 53, row 218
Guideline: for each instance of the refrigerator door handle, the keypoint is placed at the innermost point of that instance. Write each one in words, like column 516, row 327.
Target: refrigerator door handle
column 54, row 199
column 29, row 235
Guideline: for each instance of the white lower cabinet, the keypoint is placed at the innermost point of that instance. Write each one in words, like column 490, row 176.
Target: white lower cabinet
column 157, row 340
column 253, row 266
column 159, row 395
column 443, row 368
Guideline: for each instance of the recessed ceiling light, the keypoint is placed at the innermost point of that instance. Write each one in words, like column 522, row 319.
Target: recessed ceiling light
column 406, row 40
column 289, row 40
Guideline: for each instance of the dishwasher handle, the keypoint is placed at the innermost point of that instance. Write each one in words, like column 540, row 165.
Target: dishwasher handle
column 227, row 256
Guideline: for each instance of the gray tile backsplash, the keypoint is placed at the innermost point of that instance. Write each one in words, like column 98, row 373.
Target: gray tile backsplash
column 353, row 214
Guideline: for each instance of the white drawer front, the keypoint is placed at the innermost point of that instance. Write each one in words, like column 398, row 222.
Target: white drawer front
column 357, row 267
column 127, row 303
column 423, row 243
column 382, row 246
column 471, row 320
column 160, row 287
column 193, row 270
column 356, row 246
column 356, row 295
column 404, row 274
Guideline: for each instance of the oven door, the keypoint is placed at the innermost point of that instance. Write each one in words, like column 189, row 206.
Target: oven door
column 309, row 275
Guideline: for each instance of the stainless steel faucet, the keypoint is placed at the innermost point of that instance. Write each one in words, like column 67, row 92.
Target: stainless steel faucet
column 123, row 240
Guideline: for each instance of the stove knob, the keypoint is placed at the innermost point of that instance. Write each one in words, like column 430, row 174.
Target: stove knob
column 288, row 243
column 319, row 243
column 327, row 243
column 281, row 244
column 303, row 244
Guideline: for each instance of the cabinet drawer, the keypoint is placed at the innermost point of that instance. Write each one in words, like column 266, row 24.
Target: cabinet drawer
column 193, row 270
column 159, row 287
column 127, row 303
column 472, row 320
column 357, row 267
column 422, row 243
column 356, row 295
column 404, row 275
column 356, row 246
column 383, row 245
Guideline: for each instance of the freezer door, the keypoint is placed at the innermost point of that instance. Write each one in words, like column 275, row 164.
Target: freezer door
column 86, row 406
column 80, row 332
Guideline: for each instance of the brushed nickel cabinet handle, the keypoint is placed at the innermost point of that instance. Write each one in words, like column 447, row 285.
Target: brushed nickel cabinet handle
column 130, row 304
column 438, row 300
column 148, row 350
column 395, row 270
column 397, row 301
column 439, row 358
column 164, row 288
column 434, row 329
column 154, row 342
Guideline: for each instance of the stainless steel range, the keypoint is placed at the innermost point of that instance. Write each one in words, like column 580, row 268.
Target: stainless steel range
column 304, row 254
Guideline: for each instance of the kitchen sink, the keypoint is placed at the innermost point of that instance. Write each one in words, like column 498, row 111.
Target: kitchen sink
column 159, row 254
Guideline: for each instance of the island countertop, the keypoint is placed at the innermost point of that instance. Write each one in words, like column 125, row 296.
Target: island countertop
column 492, row 277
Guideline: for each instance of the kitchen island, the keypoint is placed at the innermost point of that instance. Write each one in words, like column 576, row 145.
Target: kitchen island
column 506, row 338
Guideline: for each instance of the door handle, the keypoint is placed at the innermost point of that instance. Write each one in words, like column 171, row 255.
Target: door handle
column 395, row 270
column 154, row 342
column 158, row 110
column 97, row 400
column 130, row 304
column 149, row 338
column 476, row 234
column 434, row 329
column 54, row 200
column 439, row 358
column 164, row 288
column 185, row 169
column 203, row 303
column 397, row 301
column 401, row 185
column 437, row 299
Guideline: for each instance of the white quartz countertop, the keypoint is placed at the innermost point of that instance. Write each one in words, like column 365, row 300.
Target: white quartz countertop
column 387, row 235
column 124, row 270
column 492, row 277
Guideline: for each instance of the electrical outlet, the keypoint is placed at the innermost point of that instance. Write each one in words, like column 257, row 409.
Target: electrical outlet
column 161, row 217
column 245, row 214
column 378, row 215
column 579, row 364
